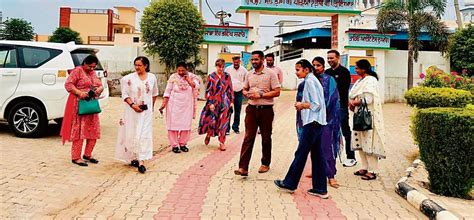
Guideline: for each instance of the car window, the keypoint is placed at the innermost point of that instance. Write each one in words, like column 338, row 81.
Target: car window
column 8, row 58
column 79, row 56
column 33, row 57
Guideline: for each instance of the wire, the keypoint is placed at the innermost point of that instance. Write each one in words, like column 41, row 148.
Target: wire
column 207, row 3
column 306, row 24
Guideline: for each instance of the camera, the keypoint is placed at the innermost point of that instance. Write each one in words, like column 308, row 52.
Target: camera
column 143, row 107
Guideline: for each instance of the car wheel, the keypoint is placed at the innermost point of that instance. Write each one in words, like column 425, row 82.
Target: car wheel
column 27, row 120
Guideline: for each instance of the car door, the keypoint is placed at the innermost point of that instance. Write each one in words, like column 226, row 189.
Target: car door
column 9, row 73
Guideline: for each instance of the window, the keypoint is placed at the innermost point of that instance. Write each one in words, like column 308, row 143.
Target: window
column 33, row 57
column 136, row 39
column 79, row 55
column 8, row 58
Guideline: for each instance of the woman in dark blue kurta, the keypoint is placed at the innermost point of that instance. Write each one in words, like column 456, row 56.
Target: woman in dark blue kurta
column 215, row 116
column 331, row 132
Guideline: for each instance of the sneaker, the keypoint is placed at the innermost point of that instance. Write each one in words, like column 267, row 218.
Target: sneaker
column 279, row 184
column 320, row 195
column 237, row 132
column 227, row 133
column 349, row 163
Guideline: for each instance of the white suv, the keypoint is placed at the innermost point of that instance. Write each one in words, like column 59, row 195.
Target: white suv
column 32, row 77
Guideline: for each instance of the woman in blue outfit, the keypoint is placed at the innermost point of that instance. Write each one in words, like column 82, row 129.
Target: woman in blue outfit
column 311, row 112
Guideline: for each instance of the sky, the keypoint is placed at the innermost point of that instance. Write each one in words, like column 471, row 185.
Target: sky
column 44, row 14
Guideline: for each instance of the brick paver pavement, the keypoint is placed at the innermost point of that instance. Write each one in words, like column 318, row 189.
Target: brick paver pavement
column 38, row 180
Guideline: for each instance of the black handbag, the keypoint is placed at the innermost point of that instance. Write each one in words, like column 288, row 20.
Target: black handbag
column 362, row 120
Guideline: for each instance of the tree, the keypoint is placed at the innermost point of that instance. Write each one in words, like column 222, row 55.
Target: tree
column 65, row 35
column 461, row 50
column 413, row 15
column 16, row 29
column 172, row 29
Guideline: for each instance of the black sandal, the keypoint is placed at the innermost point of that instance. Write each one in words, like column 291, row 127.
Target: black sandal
column 134, row 163
column 90, row 159
column 82, row 164
column 176, row 150
column 373, row 176
column 184, row 148
column 361, row 172
column 141, row 169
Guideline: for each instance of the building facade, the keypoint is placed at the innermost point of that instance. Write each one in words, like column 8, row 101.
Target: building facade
column 102, row 26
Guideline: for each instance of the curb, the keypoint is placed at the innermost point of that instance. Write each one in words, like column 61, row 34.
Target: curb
column 427, row 206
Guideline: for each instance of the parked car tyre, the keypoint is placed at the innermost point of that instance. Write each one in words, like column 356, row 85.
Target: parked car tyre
column 27, row 120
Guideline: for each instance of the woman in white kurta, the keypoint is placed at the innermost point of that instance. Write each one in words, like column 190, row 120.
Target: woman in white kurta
column 135, row 138
column 370, row 144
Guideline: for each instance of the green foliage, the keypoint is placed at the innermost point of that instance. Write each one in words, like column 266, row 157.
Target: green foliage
column 425, row 97
column 65, row 35
column 172, row 29
column 437, row 78
column 461, row 49
column 16, row 29
column 415, row 16
column 446, row 141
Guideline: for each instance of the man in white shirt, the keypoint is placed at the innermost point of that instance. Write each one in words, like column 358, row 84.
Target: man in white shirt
column 237, row 76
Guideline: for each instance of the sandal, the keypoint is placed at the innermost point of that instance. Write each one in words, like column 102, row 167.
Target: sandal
column 221, row 147
column 333, row 183
column 134, row 163
column 82, row 163
column 369, row 176
column 184, row 148
column 90, row 159
column 176, row 150
column 361, row 172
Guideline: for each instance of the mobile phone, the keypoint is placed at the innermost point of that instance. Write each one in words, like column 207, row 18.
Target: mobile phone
column 143, row 107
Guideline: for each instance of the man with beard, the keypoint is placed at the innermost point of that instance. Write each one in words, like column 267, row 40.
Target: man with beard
column 343, row 80
column 260, row 87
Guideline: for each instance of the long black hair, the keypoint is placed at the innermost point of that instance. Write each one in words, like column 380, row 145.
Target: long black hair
column 365, row 65
column 306, row 64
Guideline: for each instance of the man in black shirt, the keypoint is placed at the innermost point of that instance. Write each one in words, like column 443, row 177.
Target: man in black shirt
column 343, row 80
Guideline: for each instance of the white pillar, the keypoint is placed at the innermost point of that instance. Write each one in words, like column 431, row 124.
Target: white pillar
column 380, row 69
column 212, row 55
column 342, row 36
column 252, row 19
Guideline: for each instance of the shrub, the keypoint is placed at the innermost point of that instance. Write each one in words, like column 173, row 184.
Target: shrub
column 446, row 141
column 425, row 97
column 437, row 78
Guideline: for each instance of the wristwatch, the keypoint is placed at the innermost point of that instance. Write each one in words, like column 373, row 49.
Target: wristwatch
column 261, row 94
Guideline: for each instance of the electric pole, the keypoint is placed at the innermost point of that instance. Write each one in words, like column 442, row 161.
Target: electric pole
column 458, row 14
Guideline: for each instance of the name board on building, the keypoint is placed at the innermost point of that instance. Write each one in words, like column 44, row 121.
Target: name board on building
column 285, row 5
column 365, row 40
column 227, row 35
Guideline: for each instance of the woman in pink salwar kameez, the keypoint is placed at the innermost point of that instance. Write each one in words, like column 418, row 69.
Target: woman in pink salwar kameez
column 179, row 100
column 75, row 128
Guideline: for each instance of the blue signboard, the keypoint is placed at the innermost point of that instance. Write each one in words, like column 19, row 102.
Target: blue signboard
column 297, row 5
column 369, row 40
column 246, row 60
column 227, row 35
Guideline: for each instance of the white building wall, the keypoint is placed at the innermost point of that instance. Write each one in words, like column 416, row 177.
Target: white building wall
column 396, row 66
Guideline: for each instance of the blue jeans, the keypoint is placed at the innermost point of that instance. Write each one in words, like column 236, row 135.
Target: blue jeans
column 346, row 132
column 310, row 141
column 238, row 97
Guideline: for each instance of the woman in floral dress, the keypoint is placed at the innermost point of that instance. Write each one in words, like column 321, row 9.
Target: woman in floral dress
column 215, row 115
